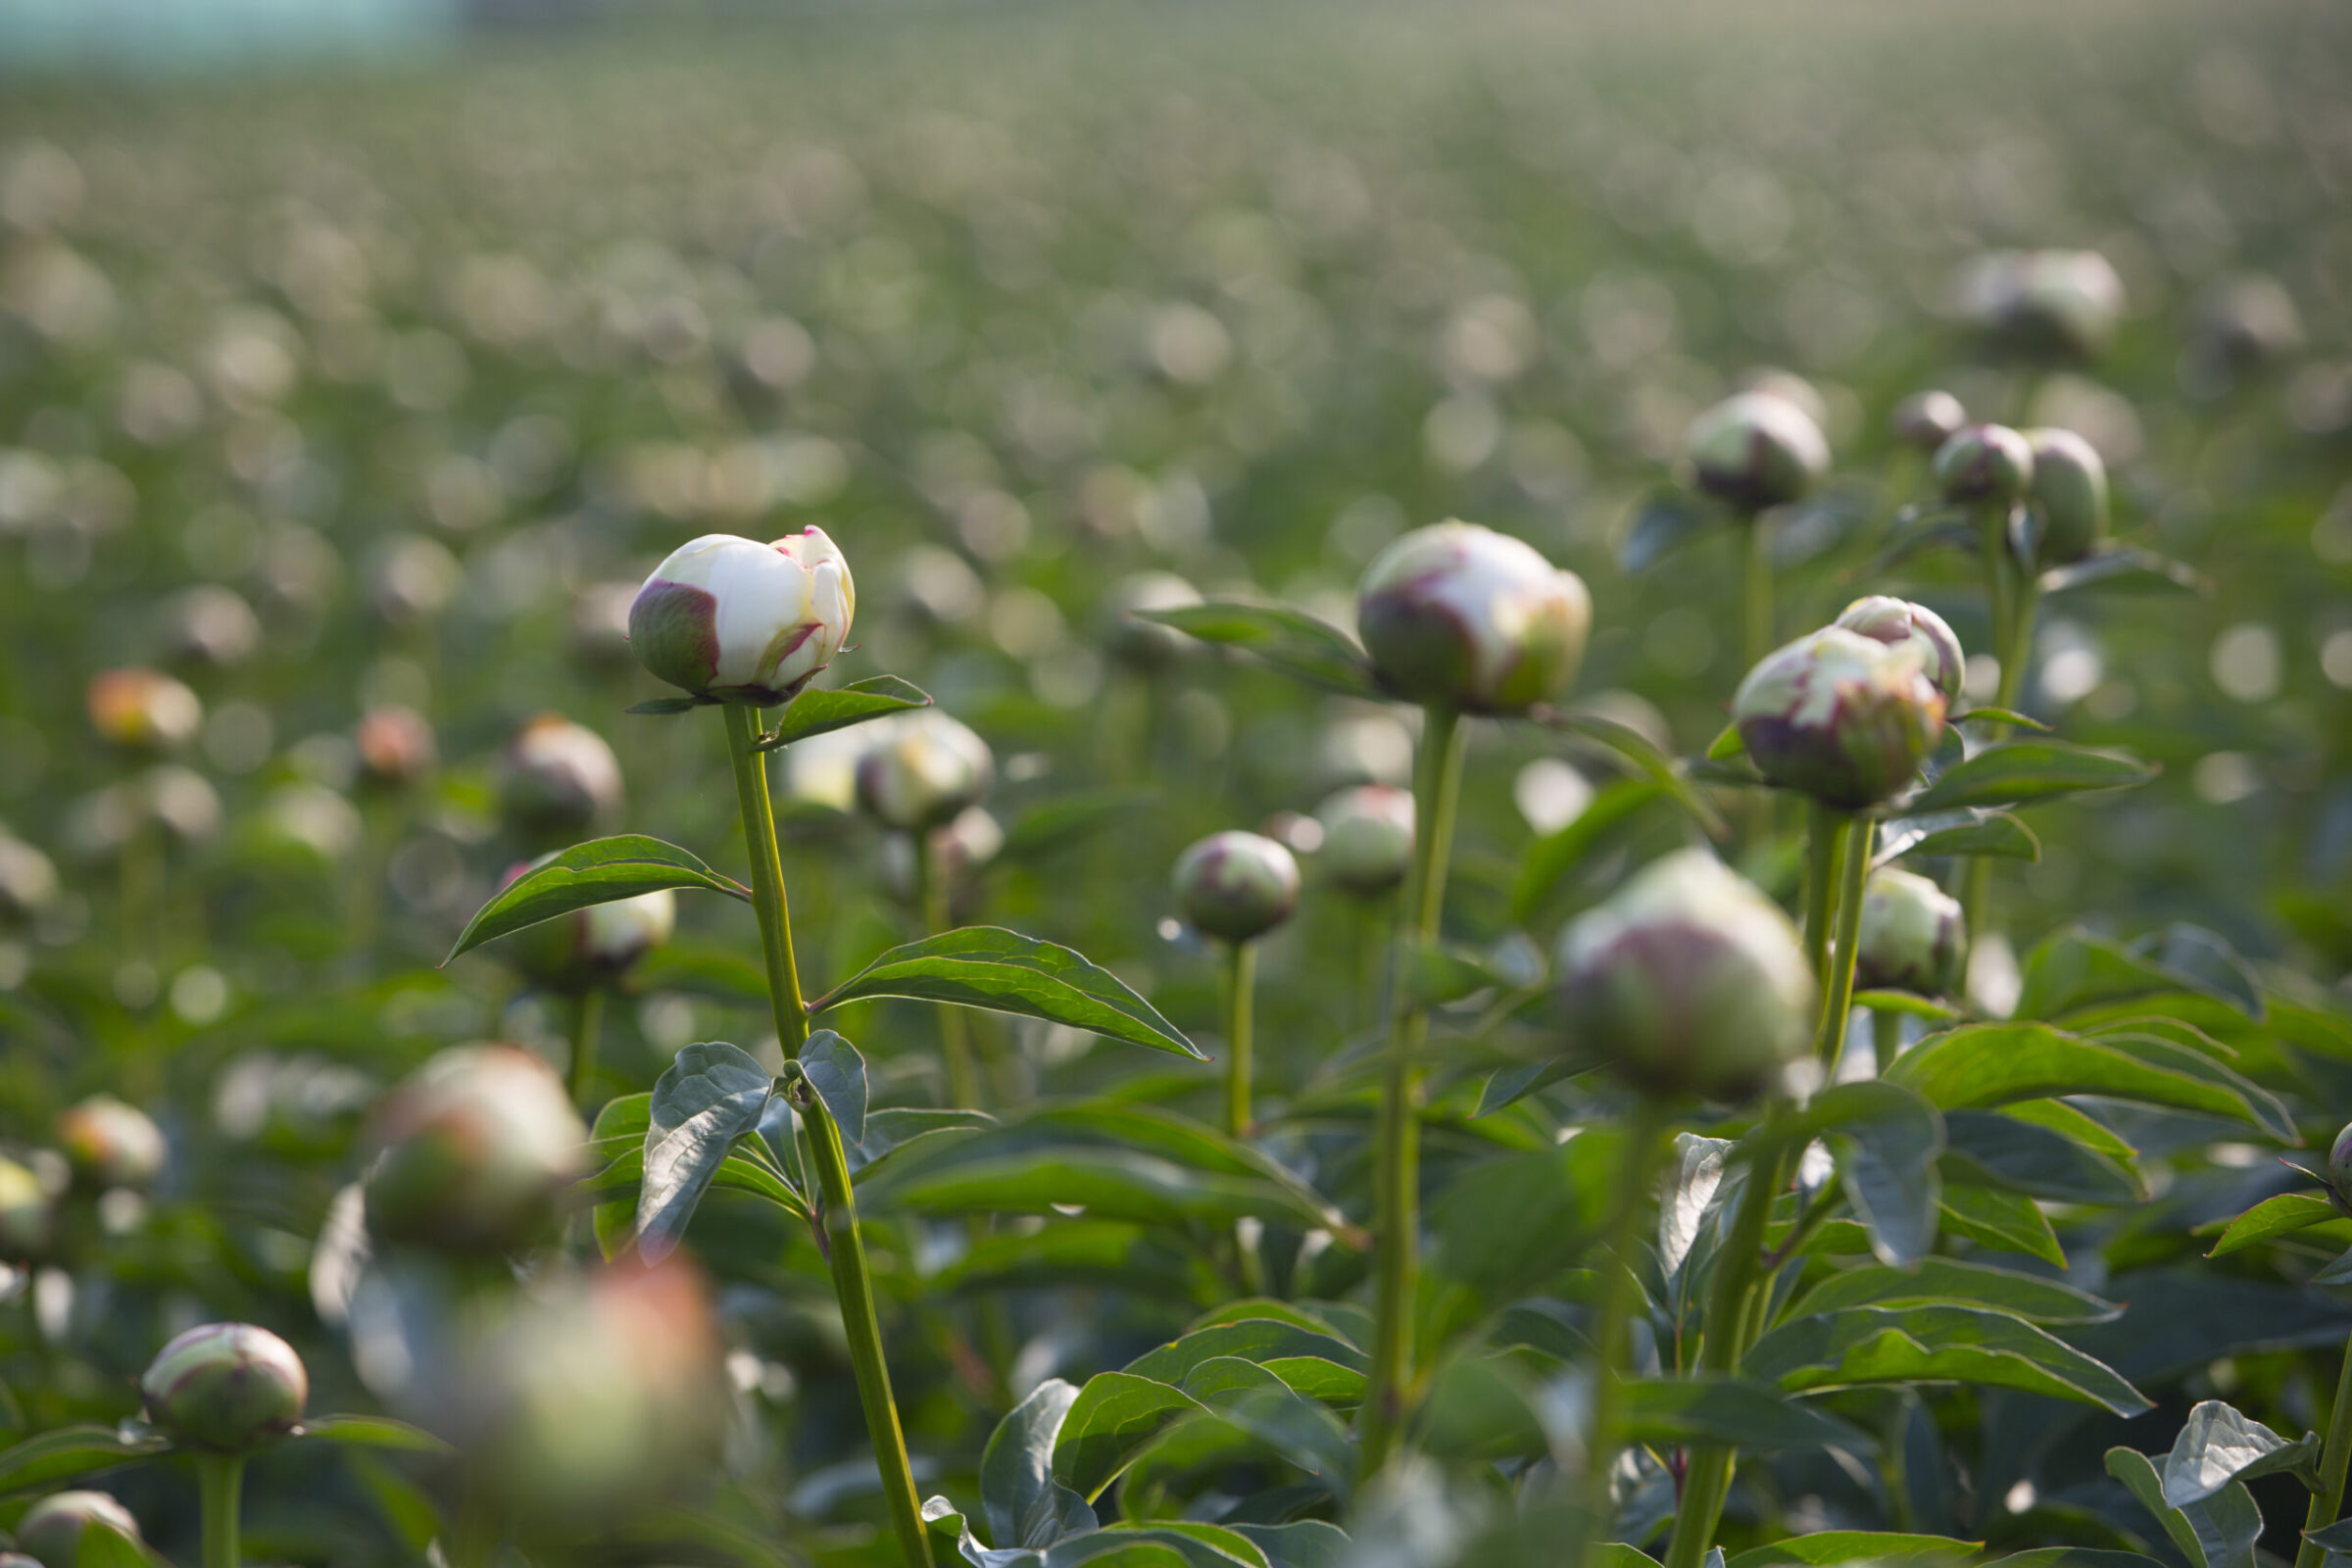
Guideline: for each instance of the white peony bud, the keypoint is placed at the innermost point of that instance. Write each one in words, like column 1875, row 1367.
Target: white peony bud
column 923, row 771
column 1474, row 620
column 742, row 621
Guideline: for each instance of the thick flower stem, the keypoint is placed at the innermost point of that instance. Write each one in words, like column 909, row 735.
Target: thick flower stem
column 1644, row 1140
column 852, row 1284
column 219, row 1479
column 1437, row 788
column 1837, row 985
column 2327, row 1503
column 587, row 1009
column 1241, row 985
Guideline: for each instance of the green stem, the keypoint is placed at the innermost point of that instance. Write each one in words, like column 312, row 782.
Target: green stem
column 586, row 1010
column 1886, row 1037
column 2327, row 1503
column 1241, row 984
column 1838, row 1000
column 1756, row 641
column 1437, row 789
column 931, row 893
column 219, row 1478
column 2012, row 594
column 853, row 1282
column 1644, row 1141
column 1823, row 844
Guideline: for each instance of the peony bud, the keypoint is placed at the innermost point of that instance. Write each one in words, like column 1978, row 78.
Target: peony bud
column 111, row 1144
column 28, row 881
column 477, row 1146
column 1459, row 616
column 143, row 711
column 1898, row 623
column 1367, row 838
column 558, row 780
column 1912, row 938
column 25, row 1212
column 743, row 621
column 52, row 1529
column 1989, row 463
column 1840, row 717
column 212, row 626
column 2047, row 302
column 1145, row 644
column 1235, row 885
column 1690, row 981
column 395, row 747
column 600, row 626
column 2247, row 322
column 228, row 1387
column 1755, row 450
column 616, row 934
column 2070, row 489
column 922, row 771
column 1928, row 420
column 960, row 850
column 2339, row 1170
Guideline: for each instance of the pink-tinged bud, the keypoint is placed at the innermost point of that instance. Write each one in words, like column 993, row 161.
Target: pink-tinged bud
column 1145, row 644
column 143, row 711
column 743, row 621
column 1367, row 838
column 396, row 747
column 28, row 881
column 228, row 1386
column 2048, row 301
column 52, row 1529
column 1987, row 464
column 1928, row 420
column 1458, row 615
column 477, row 1145
column 111, row 1143
column 1237, row 886
column 1843, row 718
column 2339, row 1170
column 1688, row 981
column 1755, row 450
column 923, row 770
column 558, row 780
column 2069, row 491
column 1900, row 623
column 1913, row 936
column 25, row 1212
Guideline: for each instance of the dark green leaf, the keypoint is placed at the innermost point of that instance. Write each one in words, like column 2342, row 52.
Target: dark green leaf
column 2125, row 565
column 1026, row 1507
column 1709, row 1407
column 2337, row 1538
column 1826, row 1546
column 711, row 1096
column 1255, row 1399
column 2018, row 772
column 1935, row 1344
column 1953, row 1282
column 1506, row 1225
column 68, row 1453
column 2005, row 1221
column 598, row 872
column 2219, row 1445
column 1266, row 1342
column 1886, row 1140
column 2273, row 1217
column 1666, row 518
column 102, row 1546
column 817, row 712
column 1965, row 831
column 837, row 1073
column 1304, row 1544
column 1991, row 1064
column 1291, row 641
column 1111, row 1421
column 1553, row 856
column 1990, row 1147
column 2218, row 1531
column 1988, row 713
column 1507, row 1086
column 2206, row 962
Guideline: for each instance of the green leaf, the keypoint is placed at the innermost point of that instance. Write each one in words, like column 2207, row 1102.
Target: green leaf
column 1507, row 1086
column 1026, row 1507
column 598, row 872
column 1162, row 1544
column 818, row 711
column 1636, row 748
column 2273, row 1217
column 2217, row 1445
column 1886, row 1140
column 1986, row 1066
column 1291, row 641
column 2219, row 1531
column 1711, row 1407
column 1984, row 1145
column 1115, row 1416
column 2018, row 772
column 837, row 1073
column 711, row 1096
column 68, row 1453
column 1988, row 713
column 2005, row 1221
column 1964, row 831
column 1002, row 971
column 2207, row 962
column 1553, row 856
column 1066, row 821
column 1935, row 1344
column 1953, row 1282
column 1265, row 1342
column 102, row 1546
column 2132, row 1468
column 1504, row 1226
column 1826, row 1546
column 1302, row 1544
column 623, row 1176
column 1666, row 518
column 2125, row 565
column 372, row 1432
column 2337, row 1538
column 1253, row 1397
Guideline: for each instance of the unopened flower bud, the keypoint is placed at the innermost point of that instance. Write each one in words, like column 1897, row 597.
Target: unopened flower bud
column 1988, row 464
column 1688, row 981
column 1235, row 886
column 477, row 1146
column 1147, row 644
column 616, row 934
column 111, row 1143
column 1913, row 936
column 558, row 780
column 2069, row 490
column 2046, row 302
column 52, row 1529
column 1928, row 420
column 212, row 626
column 411, row 578
column 600, row 626
column 2247, row 322
column 1459, row 616
column 228, row 1386
column 1840, row 717
column 28, row 881
column 25, row 1212
column 1367, row 838
column 960, row 850
column 744, row 622
column 1755, row 450
column 1899, row 624
column 923, row 770
column 143, row 711
column 395, row 745
column 2339, row 1170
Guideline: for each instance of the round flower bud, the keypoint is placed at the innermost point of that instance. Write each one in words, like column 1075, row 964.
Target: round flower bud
column 1912, row 938
column 2339, row 1170
column 143, row 711
column 558, row 780
column 1367, row 838
column 28, row 881
column 2246, row 321
column 1928, row 420
column 395, row 745
column 922, row 771
column 1789, row 386
column 228, row 1387
column 1147, row 644
column 2047, row 302
column 1898, row 623
column 212, row 626
column 25, row 1212
column 477, row 1146
column 1755, row 450
column 1235, row 885
column 600, row 626
column 960, row 850
column 1984, row 463
column 52, row 1529
column 1840, row 717
column 1688, row 981
column 111, row 1144
column 743, row 621
column 1460, row 615
column 2070, row 489
column 592, row 947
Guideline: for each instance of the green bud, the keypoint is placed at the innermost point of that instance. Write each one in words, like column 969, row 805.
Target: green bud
column 1928, row 420
column 228, row 1387
column 1367, row 838
column 477, row 1145
column 1235, row 885
column 110, row 1143
column 1898, row 623
column 923, row 770
column 1987, row 464
column 1459, row 616
column 1840, row 717
column 1755, row 450
column 1913, row 936
column 2069, row 490
column 53, row 1528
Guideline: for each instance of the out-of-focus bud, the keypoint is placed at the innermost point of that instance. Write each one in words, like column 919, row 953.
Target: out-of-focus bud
column 1928, row 420
column 616, row 934
column 2070, row 488
column 743, row 621
column 477, row 1146
column 26, row 1211
column 52, row 1529
column 923, row 770
column 1755, row 450
column 1989, row 463
column 182, row 798
column 1840, row 717
column 1235, row 885
column 395, row 747
column 960, row 850
column 2246, row 321
column 2046, row 302
column 2339, row 1170
column 1913, row 936
column 209, row 626
column 1898, row 623
column 143, row 711
column 1459, row 616
column 1367, row 838
column 1690, row 981
column 27, row 880
column 411, row 577
column 558, row 780
column 1145, row 644
column 1788, row 387
column 111, row 1143
column 599, row 625
column 231, row 1387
